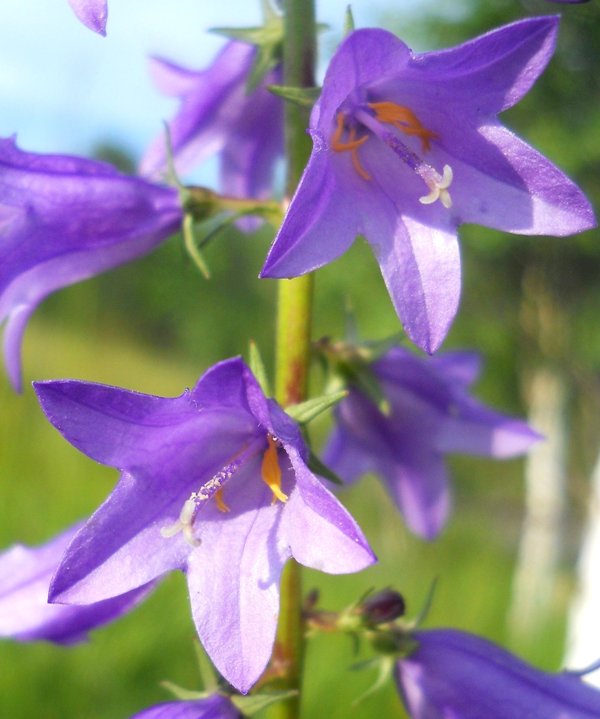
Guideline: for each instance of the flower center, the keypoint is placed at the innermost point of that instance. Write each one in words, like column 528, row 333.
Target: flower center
column 374, row 117
column 270, row 474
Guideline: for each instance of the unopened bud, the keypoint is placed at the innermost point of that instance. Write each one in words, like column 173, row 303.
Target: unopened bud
column 383, row 607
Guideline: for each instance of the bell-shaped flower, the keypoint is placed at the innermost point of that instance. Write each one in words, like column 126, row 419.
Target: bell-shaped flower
column 92, row 13
column 213, row 483
column 219, row 115
column 216, row 706
column 406, row 148
column 455, row 675
column 430, row 414
column 64, row 219
column 25, row 615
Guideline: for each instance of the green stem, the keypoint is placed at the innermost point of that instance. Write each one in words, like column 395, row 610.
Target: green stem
column 294, row 327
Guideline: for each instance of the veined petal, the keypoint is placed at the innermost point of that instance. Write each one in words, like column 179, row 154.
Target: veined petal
column 312, row 233
column 312, row 511
column 65, row 219
column 492, row 72
column 459, row 675
column 421, row 268
column 25, row 615
column 92, row 13
column 233, row 579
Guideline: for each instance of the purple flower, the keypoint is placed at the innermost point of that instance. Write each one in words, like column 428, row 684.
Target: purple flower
column 213, row 707
column 431, row 414
column 64, row 219
column 407, row 147
column 92, row 13
column 25, row 614
column 218, row 114
column 214, row 483
column 454, row 675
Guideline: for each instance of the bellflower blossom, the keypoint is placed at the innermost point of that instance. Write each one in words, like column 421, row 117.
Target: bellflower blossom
column 64, row 219
column 462, row 676
column 431, row 414
column 214, row 483
column 216, row 706
column 218, row 115
column 92, row 13
column 25, row 615
column 406, row 148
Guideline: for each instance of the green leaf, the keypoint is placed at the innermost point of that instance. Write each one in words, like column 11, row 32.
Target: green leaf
column 318, row 467
column 386, row 667
column 425, row 609
column 254, row 703
column 258, row 368
column 307, row 411
column 303, row 96
column 348, row 21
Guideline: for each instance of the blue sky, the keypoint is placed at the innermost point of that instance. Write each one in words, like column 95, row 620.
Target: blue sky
column 63, row 88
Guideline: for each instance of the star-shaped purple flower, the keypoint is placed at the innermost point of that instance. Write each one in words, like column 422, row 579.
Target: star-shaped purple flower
column 406, row 148
column 219, row 115
column 25, row 615
column 214, row 483
column 213, row 707
column 64, row 219
column 431, row 414
column 462, row 676
column 92, row 13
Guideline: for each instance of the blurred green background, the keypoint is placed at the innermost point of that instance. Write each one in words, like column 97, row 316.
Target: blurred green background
column 528, row 303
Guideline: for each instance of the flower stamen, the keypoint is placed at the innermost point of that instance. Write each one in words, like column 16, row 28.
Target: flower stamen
column 403, row 119
column 220, row 502
column 351, row 145
column 271, row 471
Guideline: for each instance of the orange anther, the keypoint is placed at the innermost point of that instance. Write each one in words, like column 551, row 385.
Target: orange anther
column 338, row 146
column 403, row 119
column 221, row 506
column 271, row 471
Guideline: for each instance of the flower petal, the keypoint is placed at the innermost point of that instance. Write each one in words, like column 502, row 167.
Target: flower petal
column 458, row 675
column 213, row 707
column 92, row 13
column 25, row 615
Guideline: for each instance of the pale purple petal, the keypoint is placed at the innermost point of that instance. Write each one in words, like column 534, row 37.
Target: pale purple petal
column 25, row 615
column 312, row 511
column 456, row 675
column 92, row 13
column 65, row 219
column 213, row 707
column 233, row 579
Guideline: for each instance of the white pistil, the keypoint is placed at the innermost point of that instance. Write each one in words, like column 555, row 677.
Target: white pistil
column 184, row 523
column 439, row 188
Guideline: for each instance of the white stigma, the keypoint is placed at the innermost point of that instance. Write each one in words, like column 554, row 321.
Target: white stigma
column 184, row 523
column 439, row 188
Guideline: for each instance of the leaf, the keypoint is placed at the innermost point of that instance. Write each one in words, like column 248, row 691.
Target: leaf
column 318, row 467
column 303, row 96
column 348, row 21
column 305, row 412
column 254, row 703
column 258, row 368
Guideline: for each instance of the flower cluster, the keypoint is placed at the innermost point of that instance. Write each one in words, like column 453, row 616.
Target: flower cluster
column 220, row 483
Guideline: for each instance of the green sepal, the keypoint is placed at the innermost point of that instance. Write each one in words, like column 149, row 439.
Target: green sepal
column 192, row 240
column 302, row 96
column 183, row 694
column 385, row 666
column 348, row 21
column 305, row 412
column 361, row 375
column 318, row 467
column 251, row 704
column 256, row 364
column 426, row 608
